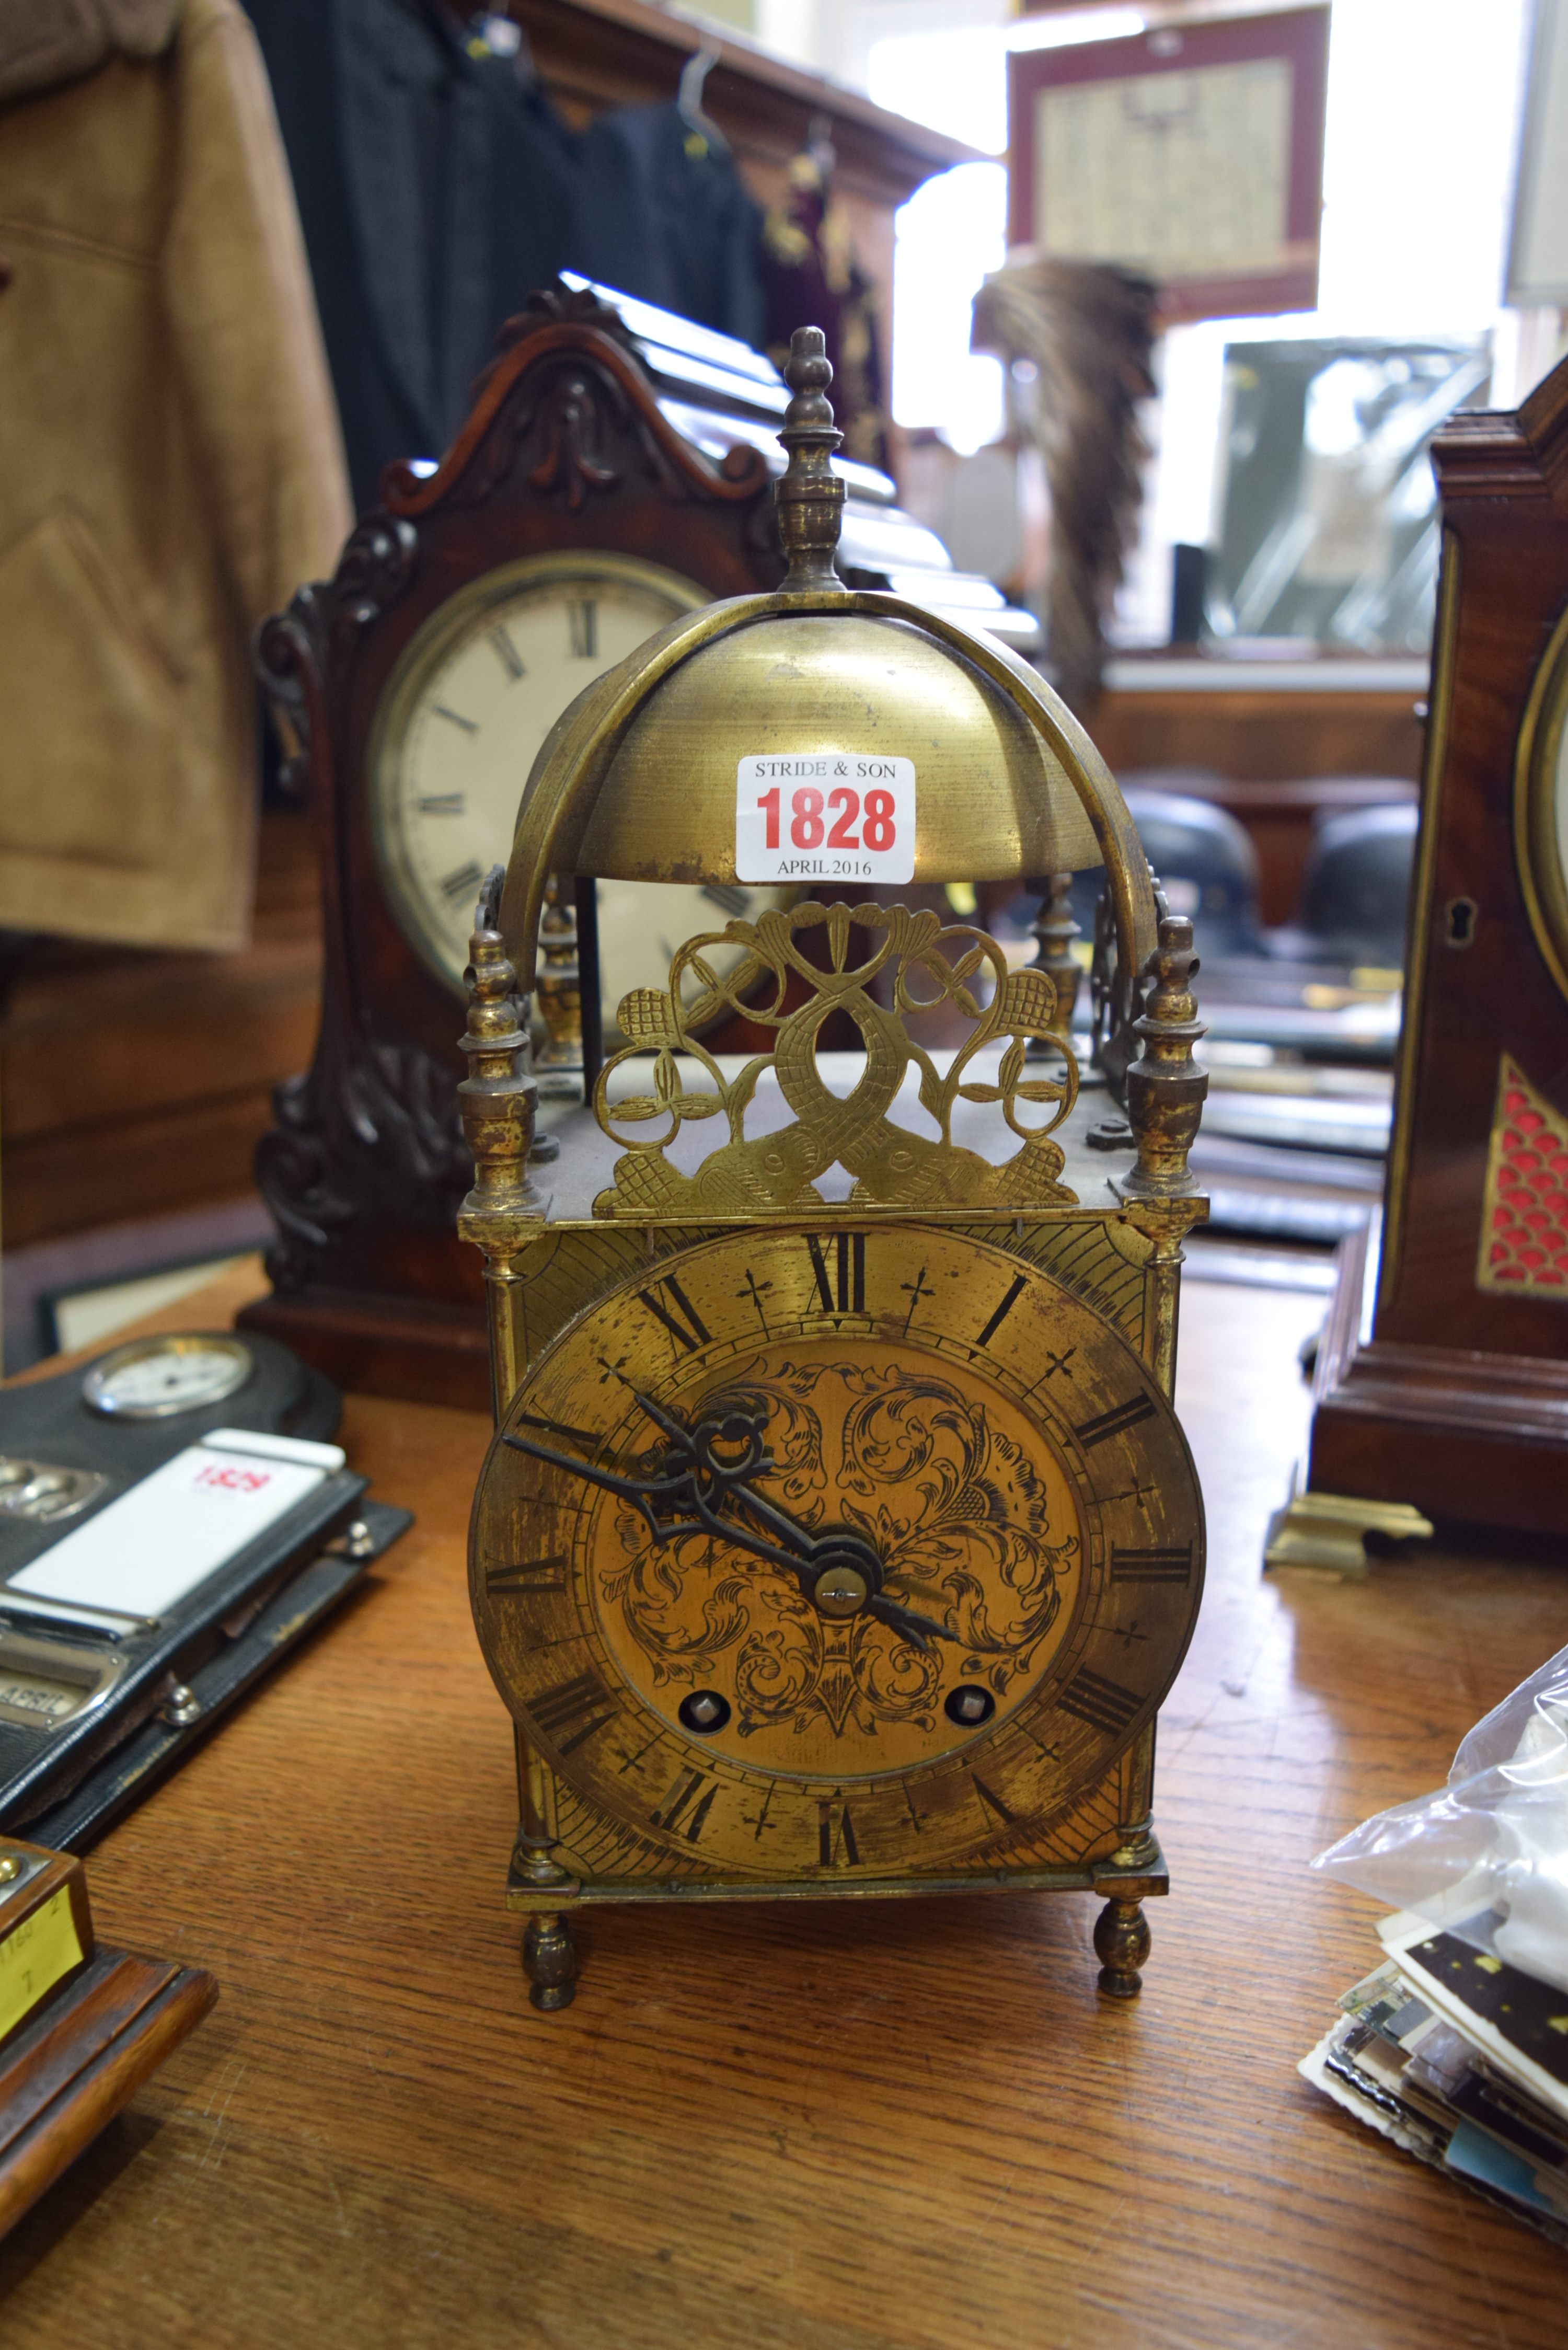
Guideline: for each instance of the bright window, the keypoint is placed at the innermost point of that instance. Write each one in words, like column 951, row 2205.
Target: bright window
column 1423, row 108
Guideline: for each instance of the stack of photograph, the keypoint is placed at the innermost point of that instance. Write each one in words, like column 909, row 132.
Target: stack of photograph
column 1461, row 2059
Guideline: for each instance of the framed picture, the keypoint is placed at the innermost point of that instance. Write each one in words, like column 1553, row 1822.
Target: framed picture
column 1538, row 246
column 1194, row 154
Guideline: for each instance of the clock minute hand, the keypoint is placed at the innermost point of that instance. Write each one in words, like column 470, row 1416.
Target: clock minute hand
column 642, row 1492
column 700, row 1480
column 814, row 1552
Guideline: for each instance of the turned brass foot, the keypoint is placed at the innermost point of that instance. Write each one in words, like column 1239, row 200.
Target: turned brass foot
column 1121, row 1945
column 550, row 1959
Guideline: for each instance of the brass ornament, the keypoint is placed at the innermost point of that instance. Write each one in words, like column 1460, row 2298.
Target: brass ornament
column 809, row 500
column 558, row 1064
column 1056, row 930
column 550, row 1955
column 925, row 966
column 499, row 1101
column 1121, row 1945
column 1165, row 1088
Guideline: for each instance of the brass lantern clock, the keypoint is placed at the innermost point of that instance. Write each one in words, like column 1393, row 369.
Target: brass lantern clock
column 838, row 1535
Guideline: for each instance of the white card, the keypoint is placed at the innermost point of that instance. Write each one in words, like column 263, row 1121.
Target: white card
column 150, row 1549
column 825, row 816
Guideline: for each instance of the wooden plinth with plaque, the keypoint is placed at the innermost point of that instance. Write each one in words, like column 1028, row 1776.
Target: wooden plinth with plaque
column 1442, row 1382
column 81, row 2027
column 838, row 1537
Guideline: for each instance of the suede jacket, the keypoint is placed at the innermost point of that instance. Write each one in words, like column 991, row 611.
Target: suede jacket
column 170, row 467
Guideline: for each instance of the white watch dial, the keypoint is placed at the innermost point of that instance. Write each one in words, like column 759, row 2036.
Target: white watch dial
column 153, row 1379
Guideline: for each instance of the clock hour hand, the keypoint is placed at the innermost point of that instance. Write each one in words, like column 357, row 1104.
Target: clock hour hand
column 793, row 1545
column 918, row 1630
column 696, row 1479
column 693, row 1481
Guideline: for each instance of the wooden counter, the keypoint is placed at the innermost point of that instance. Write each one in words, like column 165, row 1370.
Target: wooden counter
column 176, row 1054
column 879, row 2127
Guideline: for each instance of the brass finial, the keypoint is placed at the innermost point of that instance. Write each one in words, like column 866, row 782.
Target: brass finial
column 1056, row 930
column 498, row 1097
column 810, row 497
column 1165, row 1084
column 559, row 1066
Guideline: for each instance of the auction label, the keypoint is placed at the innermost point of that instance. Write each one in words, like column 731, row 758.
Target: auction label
column 823, row 817
column 34, row 1955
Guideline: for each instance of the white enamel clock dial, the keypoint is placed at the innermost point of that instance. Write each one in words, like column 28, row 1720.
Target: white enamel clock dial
column 473, row 698
column 153, row 1379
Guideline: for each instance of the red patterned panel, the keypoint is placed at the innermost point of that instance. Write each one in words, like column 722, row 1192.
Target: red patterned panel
column 1524, row 1227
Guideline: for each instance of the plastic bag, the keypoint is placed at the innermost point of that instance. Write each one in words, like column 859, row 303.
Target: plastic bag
column 1487, row 1856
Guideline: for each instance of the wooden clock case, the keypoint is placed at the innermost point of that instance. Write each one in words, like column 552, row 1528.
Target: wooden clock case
column 584, row 436
column 1441, row 1382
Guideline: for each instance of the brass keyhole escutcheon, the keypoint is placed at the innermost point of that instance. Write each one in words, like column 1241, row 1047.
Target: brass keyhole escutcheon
column 840, row 1590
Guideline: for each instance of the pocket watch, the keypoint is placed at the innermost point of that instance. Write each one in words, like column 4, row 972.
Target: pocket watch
column 158, row 1378
column 838, row 1535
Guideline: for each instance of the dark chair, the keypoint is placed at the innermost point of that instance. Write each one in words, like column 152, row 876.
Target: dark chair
column 1206, row 865
column 1356, row 886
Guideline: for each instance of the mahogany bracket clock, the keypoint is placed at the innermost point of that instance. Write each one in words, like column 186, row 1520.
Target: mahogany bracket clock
column 1442, row 1380
column 837, row 1536
column 613, row 474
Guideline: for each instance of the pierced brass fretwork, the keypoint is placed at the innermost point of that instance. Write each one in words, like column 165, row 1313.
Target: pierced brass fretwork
column 922, row 965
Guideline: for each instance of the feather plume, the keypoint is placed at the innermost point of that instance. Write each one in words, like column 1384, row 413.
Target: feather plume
column 1088, row 330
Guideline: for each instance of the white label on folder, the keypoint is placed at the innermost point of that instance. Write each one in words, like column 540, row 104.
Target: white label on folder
column 150, row 1548
column 822, row 817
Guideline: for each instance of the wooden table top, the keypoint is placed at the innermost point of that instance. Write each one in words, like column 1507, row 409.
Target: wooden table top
column 879, row 2126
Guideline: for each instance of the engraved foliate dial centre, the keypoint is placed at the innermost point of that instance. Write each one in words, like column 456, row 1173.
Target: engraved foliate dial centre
column 960, row 1513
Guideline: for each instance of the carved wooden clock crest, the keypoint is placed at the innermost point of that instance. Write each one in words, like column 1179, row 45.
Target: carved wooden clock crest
column 839, row 1536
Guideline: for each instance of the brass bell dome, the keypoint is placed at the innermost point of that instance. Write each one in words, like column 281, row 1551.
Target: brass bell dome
column 636, row 781
column 994, row 800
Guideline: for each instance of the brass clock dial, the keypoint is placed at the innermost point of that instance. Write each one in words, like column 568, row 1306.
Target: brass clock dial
column 469, row 705
column 833, row 1551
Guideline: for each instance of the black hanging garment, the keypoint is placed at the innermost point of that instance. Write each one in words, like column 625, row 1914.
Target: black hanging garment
column 436, row 192
column 664, row 214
